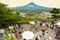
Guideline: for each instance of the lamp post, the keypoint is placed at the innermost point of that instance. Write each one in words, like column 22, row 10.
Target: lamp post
column 11, row 27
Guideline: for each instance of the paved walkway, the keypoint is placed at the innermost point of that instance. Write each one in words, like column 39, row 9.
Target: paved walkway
column 47, row 35
column 37, row 32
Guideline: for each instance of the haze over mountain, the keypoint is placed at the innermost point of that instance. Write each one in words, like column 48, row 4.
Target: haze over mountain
column 32, row 6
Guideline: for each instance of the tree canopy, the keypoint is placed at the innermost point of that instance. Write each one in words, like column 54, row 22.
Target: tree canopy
column 8, row 15
column 55, row 10
column 55, row 13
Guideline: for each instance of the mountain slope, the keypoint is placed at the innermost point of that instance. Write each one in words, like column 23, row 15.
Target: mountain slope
column 32, row 6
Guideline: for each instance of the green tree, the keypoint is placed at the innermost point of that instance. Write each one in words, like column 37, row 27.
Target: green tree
column 7, row 15
column 54, row 12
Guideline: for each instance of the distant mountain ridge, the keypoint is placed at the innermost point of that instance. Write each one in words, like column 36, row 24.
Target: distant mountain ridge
column 32, row 6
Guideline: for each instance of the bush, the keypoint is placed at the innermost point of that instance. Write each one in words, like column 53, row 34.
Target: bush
column 6, row 32
column 14, row 38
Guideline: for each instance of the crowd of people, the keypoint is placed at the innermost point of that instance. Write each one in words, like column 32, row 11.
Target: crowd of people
column 51, row 26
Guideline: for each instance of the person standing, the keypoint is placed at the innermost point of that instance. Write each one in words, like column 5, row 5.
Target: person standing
column 36, row 38
column 52, row 25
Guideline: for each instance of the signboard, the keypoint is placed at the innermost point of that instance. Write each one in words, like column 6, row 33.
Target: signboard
column 1, row 30
column 1, row 34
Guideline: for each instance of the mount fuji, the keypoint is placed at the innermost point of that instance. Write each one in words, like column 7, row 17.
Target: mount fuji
column 32, row 6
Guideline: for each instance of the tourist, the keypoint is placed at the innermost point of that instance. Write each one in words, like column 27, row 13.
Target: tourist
column 47, row 25
column 24, row 39
column 40, row 24
column 36, row 38
column 50, row 38
column 43, row 24
column 36, row 28
column 52, row 25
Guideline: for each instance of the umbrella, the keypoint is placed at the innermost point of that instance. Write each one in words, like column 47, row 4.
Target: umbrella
column 31, row 22
column 27, row 35
column 58, row 23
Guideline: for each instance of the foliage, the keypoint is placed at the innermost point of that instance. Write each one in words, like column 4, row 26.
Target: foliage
column 7, row 15
column 36, row 11
column 14, row 38
column 56, row 13
column 27, row 19
column 6, row 32
column 9, row 38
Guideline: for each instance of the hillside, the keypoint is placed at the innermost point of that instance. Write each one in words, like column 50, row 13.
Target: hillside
column 32, row 7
